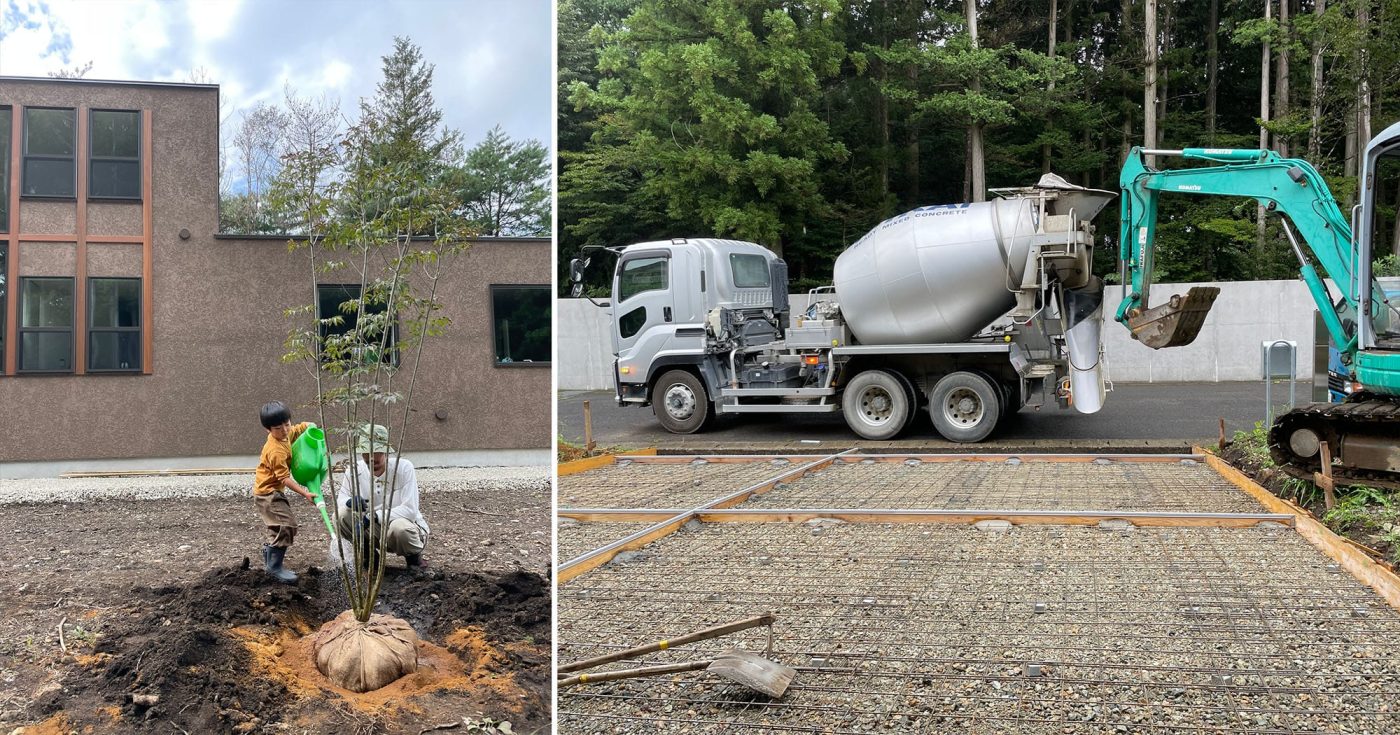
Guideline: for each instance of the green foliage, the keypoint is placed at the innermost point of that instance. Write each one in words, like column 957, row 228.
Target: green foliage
column 801, row 125
column 503, row 186
column 1255, row 444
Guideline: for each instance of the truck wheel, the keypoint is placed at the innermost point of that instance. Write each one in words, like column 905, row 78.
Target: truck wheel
column 913, row 395
column 964, row 407
column 875, row 405
column 680, row 403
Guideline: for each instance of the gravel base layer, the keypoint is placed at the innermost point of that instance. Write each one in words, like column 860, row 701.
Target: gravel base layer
column 663, row 485
column 1186, row 487
column 439, row 479
column 929, row 629
column 577, row 538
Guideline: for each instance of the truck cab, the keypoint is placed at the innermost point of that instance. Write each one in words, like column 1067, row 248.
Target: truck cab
column 663, row 292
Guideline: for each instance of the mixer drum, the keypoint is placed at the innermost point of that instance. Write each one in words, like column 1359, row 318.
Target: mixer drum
column 935, row 274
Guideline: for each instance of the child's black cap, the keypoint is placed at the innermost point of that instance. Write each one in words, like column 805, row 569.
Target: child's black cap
column 275, row 413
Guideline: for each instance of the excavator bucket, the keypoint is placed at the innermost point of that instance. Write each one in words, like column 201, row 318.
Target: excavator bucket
column 1175, row 323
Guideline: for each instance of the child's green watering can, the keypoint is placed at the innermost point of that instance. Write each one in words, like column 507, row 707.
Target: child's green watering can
column 309, row 468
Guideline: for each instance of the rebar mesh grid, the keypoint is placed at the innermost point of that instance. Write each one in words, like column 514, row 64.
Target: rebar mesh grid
column 644, row 485
column 934, row 629
column 1186, row 486
column 578, row 537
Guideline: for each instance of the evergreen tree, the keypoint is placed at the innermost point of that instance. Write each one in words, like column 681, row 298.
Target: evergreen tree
column 503, row 186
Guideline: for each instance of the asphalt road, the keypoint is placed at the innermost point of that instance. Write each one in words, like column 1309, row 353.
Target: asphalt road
column 1148, row 415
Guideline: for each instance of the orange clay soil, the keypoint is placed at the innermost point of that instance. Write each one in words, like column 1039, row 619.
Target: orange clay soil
column 288, row 659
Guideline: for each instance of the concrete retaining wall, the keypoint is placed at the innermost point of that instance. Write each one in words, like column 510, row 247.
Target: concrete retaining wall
column 1228, row 348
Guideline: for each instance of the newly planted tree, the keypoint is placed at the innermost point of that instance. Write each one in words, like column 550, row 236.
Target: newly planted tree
column 380, row 225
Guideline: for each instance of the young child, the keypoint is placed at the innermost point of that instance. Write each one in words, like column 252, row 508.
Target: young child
column 274, row 474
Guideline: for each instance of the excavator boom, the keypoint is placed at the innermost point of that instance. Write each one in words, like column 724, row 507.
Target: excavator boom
column 1364, row 433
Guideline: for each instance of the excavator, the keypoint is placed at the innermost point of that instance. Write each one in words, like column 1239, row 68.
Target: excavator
column 1361, row 433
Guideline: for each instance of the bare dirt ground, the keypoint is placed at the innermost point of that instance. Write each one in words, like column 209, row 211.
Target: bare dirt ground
column 113, row 597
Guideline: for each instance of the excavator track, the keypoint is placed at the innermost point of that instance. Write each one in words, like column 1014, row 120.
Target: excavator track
column 1363, row 435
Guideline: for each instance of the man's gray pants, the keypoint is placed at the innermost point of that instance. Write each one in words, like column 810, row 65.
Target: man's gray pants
column 404, row 537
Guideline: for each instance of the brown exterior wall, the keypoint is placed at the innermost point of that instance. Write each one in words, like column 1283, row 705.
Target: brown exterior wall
column 217, row 325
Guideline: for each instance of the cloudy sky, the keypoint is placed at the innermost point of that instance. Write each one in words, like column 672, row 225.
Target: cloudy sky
column 492, row 57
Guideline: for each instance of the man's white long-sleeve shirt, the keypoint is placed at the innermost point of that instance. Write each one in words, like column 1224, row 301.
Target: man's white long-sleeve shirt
column 405, row 490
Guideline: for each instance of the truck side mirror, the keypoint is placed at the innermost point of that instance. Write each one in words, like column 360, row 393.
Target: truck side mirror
column 576, row 290
column 576, row 268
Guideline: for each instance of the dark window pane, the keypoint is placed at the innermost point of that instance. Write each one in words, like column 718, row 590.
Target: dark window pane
column 46, row 351
column 49, row 132
column 115, row 179
column 5, row 115
column 640, row 276
column 116, row 302
column 632, row 322
column 750, row 271
column 4, row 253
column 114, row 351
column 48, row 178
column 330, row 299
column 520, row 318
column 46, row 302
column 114, row 134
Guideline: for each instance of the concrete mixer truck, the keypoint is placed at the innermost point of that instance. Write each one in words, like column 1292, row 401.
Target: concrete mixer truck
column 970, row 310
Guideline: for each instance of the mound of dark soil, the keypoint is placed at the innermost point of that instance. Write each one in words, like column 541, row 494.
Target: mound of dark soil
column 174, row 643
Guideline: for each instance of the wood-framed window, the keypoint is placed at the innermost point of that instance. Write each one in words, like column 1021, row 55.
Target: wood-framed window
column 114, row 325
column 46, row 325
column 114, row 154
column 50, row 140
column 520, row 315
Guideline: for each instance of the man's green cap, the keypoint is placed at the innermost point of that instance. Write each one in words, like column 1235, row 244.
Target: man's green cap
column 372, row 438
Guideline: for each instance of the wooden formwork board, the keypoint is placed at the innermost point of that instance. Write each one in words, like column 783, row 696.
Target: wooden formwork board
column 1340, row 550
column 855, row 456
column 602, row 460
column 959, row 516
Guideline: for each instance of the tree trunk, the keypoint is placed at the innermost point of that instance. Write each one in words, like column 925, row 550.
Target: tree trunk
column 1281, row 78
column 974, row 131
column 1050, row 35
column 1212, row 69
column 1163, row 71
column 1149, row 79
column 1263, row 116
column 1315, row 101
column 882, row 114
column 1363, row 88
column 911, row 131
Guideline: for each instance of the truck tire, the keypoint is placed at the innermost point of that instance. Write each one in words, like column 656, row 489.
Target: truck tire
column 680, row 402
column 913, row 393
column 965, row 407
column 875, row 405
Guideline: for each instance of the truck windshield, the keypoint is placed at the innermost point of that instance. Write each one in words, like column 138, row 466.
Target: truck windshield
column 641, row 275
column 750, row 271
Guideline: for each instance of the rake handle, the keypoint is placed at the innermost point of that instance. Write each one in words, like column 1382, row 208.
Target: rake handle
column 634, row 673
column 708, row 633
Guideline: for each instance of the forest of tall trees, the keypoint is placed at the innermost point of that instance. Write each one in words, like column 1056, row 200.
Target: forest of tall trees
column 799, row 124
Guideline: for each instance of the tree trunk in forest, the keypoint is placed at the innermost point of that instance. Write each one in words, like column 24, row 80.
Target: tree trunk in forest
column 1050, row 35
column 1149, row 79
column 1212, row 69
column 1163, row 75
column 974, row 131
column 911, row 130
column 1281, row 78
column 1363, row 88
column 882, row 113
column 1264, row 117
column 911, row 146
column 1315, row 101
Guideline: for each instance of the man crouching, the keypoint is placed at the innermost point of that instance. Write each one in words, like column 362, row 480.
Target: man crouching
column 408, row 531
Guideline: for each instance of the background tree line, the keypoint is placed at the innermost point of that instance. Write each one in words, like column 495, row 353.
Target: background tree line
column 800, row 124
column 500, row 186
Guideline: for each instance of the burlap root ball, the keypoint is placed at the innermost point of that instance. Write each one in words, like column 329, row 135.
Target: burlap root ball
column 363, row 657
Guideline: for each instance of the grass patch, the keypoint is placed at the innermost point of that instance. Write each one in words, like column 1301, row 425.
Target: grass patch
column 570, row 452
